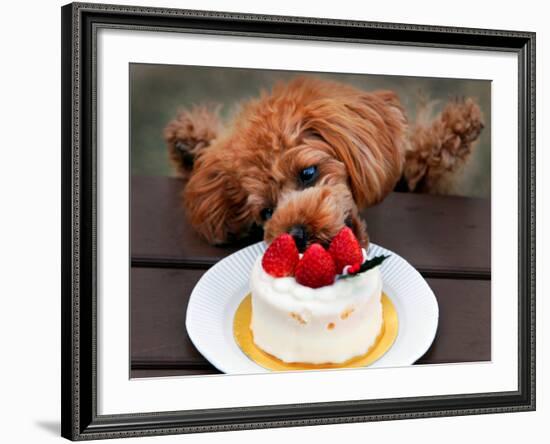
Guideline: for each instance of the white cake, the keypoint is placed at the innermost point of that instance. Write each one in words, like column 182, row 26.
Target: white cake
column 331, row 324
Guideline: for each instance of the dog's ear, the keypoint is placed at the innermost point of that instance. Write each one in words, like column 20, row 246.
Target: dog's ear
column 214, row 200
column 367, row 132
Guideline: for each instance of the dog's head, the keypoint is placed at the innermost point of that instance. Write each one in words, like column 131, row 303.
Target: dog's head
column 303, row 160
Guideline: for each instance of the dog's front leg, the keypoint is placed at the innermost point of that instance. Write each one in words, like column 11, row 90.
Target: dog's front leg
column 190, row 133
column 440, row 147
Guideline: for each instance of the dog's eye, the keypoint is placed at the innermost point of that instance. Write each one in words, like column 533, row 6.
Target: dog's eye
column 266, row 214
column 308, row 175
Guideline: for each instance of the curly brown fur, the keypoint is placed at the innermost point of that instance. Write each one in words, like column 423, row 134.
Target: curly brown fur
column 322, row 209
column 359, row 142
column 188, row 134
column 441, row 147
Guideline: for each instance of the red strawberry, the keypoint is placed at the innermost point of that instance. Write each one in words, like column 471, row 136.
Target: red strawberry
column 316, row 268
column 281, row 256
column 345, row 249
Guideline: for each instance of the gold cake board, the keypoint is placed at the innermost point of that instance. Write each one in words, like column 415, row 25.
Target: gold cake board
column 243, row 336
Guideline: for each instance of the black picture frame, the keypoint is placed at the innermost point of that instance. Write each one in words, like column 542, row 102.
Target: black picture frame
column 78, row 333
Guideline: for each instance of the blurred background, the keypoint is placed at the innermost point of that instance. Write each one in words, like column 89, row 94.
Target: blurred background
column 157, row 92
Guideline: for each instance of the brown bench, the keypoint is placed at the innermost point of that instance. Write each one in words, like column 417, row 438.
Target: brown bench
column 446, row 238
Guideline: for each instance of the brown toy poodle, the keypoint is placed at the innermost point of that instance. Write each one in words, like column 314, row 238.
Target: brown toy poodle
column 308, row 156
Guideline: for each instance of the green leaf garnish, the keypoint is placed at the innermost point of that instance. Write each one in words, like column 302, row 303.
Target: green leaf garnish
column 367, row 265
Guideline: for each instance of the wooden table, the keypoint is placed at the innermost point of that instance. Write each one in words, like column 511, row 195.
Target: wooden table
column 446, row 238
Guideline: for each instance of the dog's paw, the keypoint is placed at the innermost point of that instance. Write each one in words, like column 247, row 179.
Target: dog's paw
column 461, row 122
column 440, row 148
column 188, row 134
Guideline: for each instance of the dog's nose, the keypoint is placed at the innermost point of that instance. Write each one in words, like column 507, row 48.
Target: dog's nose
column 299, row 233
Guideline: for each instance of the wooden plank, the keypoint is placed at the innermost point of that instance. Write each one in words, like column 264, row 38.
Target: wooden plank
column 464, row 330
column 435, row 234
column 159, row 230
column 440, row 236
column 158, row 307
column 159, row 340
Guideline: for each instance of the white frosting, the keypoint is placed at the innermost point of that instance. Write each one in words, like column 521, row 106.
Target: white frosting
column 329, row 324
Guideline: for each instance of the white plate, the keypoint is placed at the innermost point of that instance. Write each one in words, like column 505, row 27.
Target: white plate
column 218, row 293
